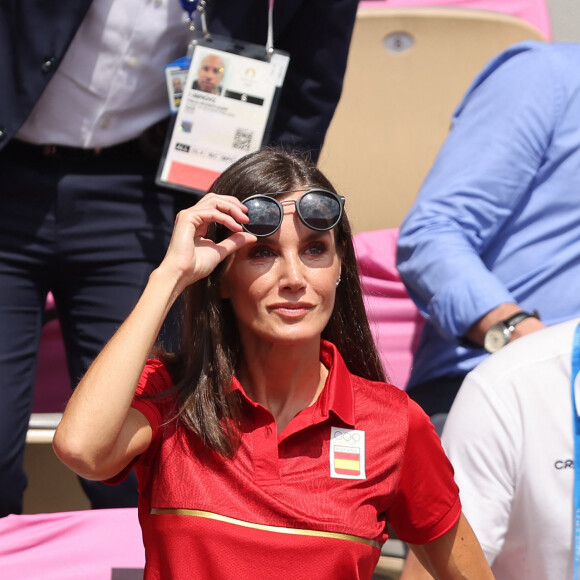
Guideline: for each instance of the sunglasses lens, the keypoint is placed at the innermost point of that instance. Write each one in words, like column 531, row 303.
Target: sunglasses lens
column 265, row 216
column 320, row 210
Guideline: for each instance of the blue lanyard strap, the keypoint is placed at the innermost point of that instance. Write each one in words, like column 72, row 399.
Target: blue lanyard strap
column 190, row 6
column 576, row 423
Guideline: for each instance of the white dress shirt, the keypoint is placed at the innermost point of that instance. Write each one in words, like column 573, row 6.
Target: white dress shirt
column 110, row 85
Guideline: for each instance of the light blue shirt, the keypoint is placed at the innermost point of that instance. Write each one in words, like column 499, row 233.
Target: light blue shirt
column 498, row 217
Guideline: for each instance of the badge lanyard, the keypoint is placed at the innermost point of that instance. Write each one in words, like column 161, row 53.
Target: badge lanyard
column 576, row 423
column 190, row 6
column 224, row 95
column 270, row 39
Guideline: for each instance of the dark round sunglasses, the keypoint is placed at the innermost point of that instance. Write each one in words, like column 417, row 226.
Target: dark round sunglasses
column 318, row 209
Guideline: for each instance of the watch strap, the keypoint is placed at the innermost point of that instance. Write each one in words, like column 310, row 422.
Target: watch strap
column 518, row 317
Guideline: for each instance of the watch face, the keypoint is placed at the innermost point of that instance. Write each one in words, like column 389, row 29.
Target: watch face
column 496, row 337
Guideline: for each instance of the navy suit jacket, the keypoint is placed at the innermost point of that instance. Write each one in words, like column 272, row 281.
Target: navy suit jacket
column 34, row 37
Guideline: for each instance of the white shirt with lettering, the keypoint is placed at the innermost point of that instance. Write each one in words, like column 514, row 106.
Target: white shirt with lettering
column 509, row 438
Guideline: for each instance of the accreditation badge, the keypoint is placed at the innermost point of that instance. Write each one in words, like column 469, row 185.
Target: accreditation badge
column 225, row 108
column 175, row 77
column 347, row 453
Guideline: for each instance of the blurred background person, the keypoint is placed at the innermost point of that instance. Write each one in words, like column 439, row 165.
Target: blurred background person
column 510, row 438
column 489, row 251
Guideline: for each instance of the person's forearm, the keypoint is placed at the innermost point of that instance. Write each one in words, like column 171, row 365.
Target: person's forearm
column 413, row 569
column 456, row 555
column 89, row 438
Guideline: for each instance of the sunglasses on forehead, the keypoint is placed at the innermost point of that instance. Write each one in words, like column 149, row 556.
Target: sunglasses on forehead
column 318, row 209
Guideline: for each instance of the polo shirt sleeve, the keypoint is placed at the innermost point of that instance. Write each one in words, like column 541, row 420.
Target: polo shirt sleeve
column 154, row 380
column 426, row 503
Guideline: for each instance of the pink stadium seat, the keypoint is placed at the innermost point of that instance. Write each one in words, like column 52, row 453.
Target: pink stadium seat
column 88, row 544
column 395, row 321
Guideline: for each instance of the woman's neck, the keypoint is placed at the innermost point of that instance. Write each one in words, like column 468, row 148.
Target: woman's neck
column 283, row 379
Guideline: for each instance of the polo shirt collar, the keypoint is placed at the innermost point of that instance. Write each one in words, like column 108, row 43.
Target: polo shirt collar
column 337, row 396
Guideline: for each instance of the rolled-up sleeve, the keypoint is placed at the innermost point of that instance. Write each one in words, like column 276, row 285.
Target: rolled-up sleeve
column 481, row 178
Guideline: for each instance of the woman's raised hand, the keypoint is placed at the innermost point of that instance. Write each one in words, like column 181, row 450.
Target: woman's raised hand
column 99, row 434
column 190, row 255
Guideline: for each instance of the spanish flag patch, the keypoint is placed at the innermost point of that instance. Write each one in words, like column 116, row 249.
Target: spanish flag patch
column 347, row 453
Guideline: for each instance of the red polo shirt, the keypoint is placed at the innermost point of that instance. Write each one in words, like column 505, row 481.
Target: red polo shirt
column 293, row 505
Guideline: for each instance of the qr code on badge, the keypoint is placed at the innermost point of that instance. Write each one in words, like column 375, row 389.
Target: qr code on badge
column 243, row 139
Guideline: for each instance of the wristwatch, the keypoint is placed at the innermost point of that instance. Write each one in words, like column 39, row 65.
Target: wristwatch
column 500, row 333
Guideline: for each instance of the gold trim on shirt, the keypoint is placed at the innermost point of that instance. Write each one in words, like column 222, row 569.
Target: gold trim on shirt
column 276, row 529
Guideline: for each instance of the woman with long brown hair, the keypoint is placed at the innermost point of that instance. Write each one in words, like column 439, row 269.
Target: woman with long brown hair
column 270, row 445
